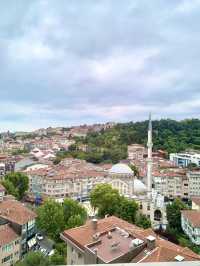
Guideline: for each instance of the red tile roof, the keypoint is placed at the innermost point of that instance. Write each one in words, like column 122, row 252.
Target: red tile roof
column 15, row 211
column 192, row 216
column 7, row 235
column 163, row 251
column 196, row 200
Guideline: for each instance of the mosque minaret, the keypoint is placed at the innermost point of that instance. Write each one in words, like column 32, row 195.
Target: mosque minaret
column 149, row 160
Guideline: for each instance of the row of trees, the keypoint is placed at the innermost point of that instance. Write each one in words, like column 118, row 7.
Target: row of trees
column 111, row 145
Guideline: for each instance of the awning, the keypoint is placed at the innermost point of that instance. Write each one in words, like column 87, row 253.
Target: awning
column 32, row 242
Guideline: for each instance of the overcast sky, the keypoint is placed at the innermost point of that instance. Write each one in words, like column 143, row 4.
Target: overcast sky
column 68, row 62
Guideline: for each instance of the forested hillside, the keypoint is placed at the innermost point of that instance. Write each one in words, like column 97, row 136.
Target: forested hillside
column 111, row 145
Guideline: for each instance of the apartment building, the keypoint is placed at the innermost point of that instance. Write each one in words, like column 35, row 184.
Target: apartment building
column 9, row 245
column 171, row 184
column 21, row 220
column 184, row 159
column 113, row 240
column 73, row 178
column 194, row 183
column 77, row 179
column 136, row 152
column 190, row 223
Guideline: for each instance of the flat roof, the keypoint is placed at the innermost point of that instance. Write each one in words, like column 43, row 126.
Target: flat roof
column 113, row 244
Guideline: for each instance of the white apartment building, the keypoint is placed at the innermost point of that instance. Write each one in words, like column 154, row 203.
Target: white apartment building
column 184, row 159
column 171, row 185
column 194, row 183
column 190, row 222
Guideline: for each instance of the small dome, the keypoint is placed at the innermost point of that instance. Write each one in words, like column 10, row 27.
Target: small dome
column 139, row 187
column 121, row 168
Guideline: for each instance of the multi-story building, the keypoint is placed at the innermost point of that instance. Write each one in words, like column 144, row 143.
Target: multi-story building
column 190, row 222
column 9, row 245
column 184, row 159
column 171, row 184
column 77, row 181
column 136, row 152
column 113, row 240
column 22, row 221
column 194, row 183
column 2, row 192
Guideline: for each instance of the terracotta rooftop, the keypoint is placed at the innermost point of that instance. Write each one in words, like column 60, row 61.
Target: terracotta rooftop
column 16, row 212
column 163, row 251
column 192, row 216
column 2, row 188
column 196, row 200
column 7, row 235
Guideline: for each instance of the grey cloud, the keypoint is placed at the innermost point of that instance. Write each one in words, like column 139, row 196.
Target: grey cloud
column 88, row 61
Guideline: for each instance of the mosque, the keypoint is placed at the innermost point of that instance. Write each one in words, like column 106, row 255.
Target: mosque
column 150, row 202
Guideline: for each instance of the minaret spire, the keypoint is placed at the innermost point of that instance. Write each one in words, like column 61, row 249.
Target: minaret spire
column 149, row 160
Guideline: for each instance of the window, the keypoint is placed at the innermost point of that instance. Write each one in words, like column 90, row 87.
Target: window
column 7, row 248
column 7, row 258
column 16, row 242
column 79, row 255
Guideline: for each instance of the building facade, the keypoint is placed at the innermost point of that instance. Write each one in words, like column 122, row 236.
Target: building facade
column 21, row 220
column 190, row 222
column 9, row 245
column 184, row 159
column 113, row 240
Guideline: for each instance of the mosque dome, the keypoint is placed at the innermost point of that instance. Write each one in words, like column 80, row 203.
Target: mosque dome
column 122, row 169
column 139, row 187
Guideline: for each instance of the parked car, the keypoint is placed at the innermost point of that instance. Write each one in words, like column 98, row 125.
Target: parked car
column 39, row 236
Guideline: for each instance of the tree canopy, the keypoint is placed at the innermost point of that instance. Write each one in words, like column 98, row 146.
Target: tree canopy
column 109, row 202
column 54, row 217
column 16, row 184
column 174, row 214
column 74, row 213
column 34, row 259
column 51, row 219
column 111, row 145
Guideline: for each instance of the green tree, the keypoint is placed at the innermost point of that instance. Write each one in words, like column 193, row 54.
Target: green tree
column 174, row 214
column 20, row 183
column 10, row 188
column 51, row 219
column 105, row 199
column 75, row 221
column 127, row 209
column 34, row 259
column 143, row 221
column 74, row 213
column 135, row 169
column 57, row 259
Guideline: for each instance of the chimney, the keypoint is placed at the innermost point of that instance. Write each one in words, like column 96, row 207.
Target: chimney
column 151, row 242
column 109, row 236
column 94, row 224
